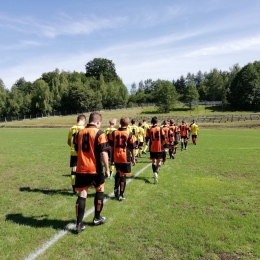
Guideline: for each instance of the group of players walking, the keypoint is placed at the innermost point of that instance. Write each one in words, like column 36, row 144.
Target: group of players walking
column 116, row 149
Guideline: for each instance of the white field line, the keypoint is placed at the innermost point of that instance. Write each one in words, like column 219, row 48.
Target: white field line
column 71, row 226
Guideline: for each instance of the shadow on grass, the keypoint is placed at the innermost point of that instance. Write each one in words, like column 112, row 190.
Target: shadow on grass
column 145, row 179
column 37, row 221
column 52, row 192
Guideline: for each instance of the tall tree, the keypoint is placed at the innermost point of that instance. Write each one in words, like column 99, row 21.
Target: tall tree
column 180, row 85
column 245, row 88
column 133, row 89
column 190, row 95
column 3, row 97
column 165, row 94
column 99, row 66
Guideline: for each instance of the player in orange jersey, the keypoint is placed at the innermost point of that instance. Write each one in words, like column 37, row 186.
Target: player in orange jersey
column 185, row 134
column 173, row 138
column 122, row 144
column 156, row 136
column 92, row 145
column 166, row 144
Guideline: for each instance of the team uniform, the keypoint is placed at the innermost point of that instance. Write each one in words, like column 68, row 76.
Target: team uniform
column 194, row 132
column 155, row 135
column 108, row 132
column 184, row 132
column 89, row 166
column 174, row 140
column 140, row 140
column 166, row 144
column 145, row 126
column 135, row 132
column 123, row 144
column 73, row 154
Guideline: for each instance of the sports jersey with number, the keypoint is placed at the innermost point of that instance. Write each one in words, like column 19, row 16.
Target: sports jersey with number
column 184, row 129
column 122, row 142
column 174, row 133
column 89, row 143
column 156, row 136
column 72, row 133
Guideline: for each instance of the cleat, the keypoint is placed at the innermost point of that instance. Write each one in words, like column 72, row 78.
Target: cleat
column 143, row 152
column 121, row 198
column 116, row 193
column 80, row 228
column 111, row 177
column 99, row 221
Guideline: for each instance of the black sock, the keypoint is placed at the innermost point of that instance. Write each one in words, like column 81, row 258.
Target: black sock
column 98, row 203
column 117, row 180
column 122, row 185
column 164, row 156
column 154, row 167
column 80, row 209
column 170, row 152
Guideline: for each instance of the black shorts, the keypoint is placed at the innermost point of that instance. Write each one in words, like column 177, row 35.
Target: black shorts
column 166, row 146
column 184, row 137
column 194, row 136
column 84, row 181
column 156, row 155
column 123, row 168
column 73, row 160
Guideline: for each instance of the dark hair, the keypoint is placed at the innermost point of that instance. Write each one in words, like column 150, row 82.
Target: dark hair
column 171, row 121
column 81, row 117
column 139, row 124
column 154, row 120
column 124, row 121
column 133, row 121
column 94, row 117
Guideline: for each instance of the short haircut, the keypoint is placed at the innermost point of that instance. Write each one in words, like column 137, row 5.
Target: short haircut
column 133, row 121
column 171, row 121
column 112, row 121
column 124, row 121
column 94, row 117
column 81, row 117
column 164, row 122
column 139, row 124
column 154, row 120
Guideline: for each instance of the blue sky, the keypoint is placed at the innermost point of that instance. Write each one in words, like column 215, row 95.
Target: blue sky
column 145, row 38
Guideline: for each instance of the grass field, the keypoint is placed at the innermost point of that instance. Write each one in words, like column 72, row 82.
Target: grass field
column 205, row 206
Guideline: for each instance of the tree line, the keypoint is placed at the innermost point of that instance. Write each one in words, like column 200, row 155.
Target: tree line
column 100, row 87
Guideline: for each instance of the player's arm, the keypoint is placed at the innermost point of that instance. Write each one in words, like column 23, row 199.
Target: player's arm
column 104, row 159
column 69, row 138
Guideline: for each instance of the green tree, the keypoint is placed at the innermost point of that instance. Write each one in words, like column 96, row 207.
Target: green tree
column 245, row 88
column 41, row 97
column 190, row 95
column 99, row 66
column 3, row 98
column 180, row 85
column 165, row 95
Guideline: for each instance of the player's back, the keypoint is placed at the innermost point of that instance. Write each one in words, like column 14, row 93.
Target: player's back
column 156, row 135
column 71, row 136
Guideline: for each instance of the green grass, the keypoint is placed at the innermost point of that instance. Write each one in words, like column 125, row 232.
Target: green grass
column 205, row 206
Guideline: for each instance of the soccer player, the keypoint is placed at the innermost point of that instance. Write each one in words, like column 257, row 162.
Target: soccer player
column 141, row 138
column 174, row 136
column 135, row 132
column 156, row 136
column 108, row 131
column 81, row 120
column 185, row 134
column 145, row 127
column 166, row 144
column 122, row 144
column 194, row 129
column 92, row 145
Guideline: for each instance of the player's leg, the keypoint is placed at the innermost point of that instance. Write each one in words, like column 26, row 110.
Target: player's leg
column 73, row 165
column 117, row 181
column 99, row 180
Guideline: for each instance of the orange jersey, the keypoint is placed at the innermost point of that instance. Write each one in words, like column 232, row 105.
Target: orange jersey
column 167, row 132
column 173, row 133
column 184, row 129
column 89, row 143
column 122, row 141
column 156, row 135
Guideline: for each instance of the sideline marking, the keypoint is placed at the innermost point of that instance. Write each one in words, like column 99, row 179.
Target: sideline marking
column 71, row 226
